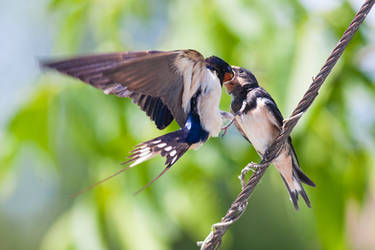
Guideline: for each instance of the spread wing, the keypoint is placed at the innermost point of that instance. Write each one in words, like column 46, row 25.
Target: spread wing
column 171, row 76
column 154, row 80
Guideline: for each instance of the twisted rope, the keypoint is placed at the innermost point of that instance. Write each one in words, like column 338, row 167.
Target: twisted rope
column 238, row 207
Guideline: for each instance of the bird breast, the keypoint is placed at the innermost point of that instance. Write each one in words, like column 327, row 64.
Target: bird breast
column 257, row 127
column 208, row 104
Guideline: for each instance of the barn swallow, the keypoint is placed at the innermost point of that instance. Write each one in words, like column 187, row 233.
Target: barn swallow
column 178, row 85
column 260, row 123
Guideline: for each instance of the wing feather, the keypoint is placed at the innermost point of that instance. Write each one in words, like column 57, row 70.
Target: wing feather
column 162, row 75
column 153, row 79
column 274, row 114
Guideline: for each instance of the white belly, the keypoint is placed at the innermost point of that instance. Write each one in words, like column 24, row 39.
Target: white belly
column 257, row 127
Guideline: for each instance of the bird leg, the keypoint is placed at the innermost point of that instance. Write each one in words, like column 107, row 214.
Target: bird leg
column 232, row 117
column 227, row 116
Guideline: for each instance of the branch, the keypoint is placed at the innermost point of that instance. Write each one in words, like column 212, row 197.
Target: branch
column 238, row 207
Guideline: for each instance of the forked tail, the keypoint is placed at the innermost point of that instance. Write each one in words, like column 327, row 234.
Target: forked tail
column 296, row 189
column 171, row 146
column 298, row 177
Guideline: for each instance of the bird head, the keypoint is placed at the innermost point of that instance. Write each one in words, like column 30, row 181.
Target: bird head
column 243, row 81
column 223, row 69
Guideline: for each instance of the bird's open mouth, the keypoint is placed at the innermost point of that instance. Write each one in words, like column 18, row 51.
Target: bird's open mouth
column 228, row 77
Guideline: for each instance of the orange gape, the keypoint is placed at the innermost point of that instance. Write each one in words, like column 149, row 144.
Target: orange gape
column 228, row 76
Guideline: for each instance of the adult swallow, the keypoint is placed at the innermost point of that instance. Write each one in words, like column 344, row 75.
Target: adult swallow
column 260, row 123
column 178, row 85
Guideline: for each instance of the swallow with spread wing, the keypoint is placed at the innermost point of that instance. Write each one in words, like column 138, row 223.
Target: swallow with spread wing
column 260, row 123
column 176, row 85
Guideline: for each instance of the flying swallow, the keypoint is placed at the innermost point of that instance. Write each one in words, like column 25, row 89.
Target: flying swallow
column 260, row 123
column 178, row 85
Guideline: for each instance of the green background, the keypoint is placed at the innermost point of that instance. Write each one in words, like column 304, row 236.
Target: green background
column 58, row 136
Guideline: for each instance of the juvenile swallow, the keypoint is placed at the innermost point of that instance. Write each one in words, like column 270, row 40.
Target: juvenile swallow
column 178, row 85
column 260, row 123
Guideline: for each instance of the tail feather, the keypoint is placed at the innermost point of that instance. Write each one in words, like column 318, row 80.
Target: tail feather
column 153, row 180
column 100, row 182
column 171, row 146
column 298, row 190
column 301, row 175
column 295, row 189
column 292, row 194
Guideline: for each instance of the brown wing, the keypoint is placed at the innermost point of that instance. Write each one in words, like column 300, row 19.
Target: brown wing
column 165, row 75
column 90, row 69
column 96, row 71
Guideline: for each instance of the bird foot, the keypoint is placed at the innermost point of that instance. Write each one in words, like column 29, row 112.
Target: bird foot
column 254, row 167
column 231, row 117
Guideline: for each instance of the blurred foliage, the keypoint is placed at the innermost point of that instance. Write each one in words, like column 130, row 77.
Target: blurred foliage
column 67, row 135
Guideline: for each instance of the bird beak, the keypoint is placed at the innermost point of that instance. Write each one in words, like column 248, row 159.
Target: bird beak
column 230, row 81
column 228, row 77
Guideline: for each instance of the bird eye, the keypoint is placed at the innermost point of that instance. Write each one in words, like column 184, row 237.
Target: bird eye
column 241, row 71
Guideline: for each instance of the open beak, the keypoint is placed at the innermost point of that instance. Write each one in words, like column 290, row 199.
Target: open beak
column 228, row 77
column 231, row 82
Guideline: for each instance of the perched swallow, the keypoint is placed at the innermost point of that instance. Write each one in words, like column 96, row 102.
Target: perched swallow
column 260, row 123
column 176, row 85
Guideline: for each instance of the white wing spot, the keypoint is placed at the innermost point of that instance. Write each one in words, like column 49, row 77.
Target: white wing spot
column 168, row 148
column 173, row 153
column 142, row 150
column 162, row 145
column 155, row 142
column 144, row 153
column 141, row 159
column 174, row 160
